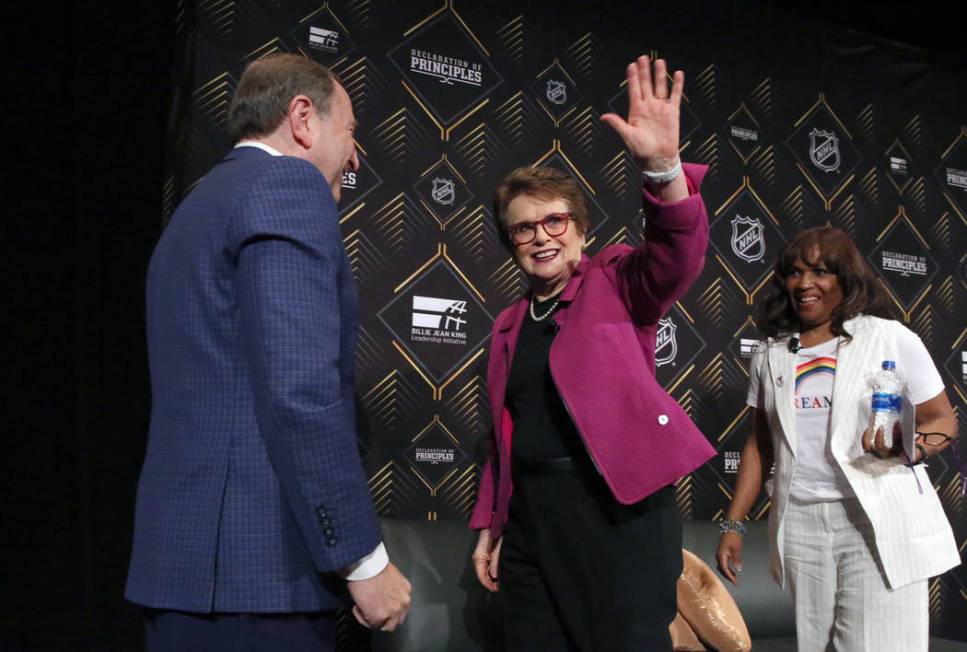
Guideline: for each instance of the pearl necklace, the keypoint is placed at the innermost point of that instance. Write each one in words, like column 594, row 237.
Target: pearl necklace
column 546, row 314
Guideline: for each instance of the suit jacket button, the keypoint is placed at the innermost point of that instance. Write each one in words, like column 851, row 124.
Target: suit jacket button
column 331, row 541
column 329, row 531
column 662, row 419
column 325, row 520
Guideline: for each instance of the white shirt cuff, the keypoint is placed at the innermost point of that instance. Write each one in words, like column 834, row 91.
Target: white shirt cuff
column 369, row 566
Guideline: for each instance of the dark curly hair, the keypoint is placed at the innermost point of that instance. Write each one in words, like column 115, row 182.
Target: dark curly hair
column 863, row 291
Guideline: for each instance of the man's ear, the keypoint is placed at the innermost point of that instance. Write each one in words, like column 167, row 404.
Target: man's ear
column 299, row 119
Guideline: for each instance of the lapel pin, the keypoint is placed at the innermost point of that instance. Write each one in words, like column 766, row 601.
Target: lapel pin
column 780, row 381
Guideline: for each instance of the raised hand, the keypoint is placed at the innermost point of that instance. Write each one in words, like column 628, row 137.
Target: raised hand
column 651, row 131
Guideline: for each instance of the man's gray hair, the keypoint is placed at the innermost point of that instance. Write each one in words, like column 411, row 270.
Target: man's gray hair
column 261, row 101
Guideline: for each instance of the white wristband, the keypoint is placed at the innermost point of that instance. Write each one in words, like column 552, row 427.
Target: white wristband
column 663, row 177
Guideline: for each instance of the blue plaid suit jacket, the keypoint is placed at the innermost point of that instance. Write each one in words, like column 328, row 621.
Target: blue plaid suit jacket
column 252, row 489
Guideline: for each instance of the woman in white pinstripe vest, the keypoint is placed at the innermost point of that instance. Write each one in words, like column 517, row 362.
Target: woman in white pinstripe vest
column 856, row 527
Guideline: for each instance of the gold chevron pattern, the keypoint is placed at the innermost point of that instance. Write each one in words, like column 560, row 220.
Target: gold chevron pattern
column 869, row 188
column 923, row 323
column 583, row 130
column 475, row 233
column 365, row 258
column 763, row 166
column 370, row 352
column 684, row 497
column 615, row 174
column 460, row 491
column 400, row 136
column 512, row 37
column 364, row 84
column 581, row 54
column 212, row 98
column 508, row 280
column 866, row 124
column 480, row 151
column 705, row 85
column 760, row 100
column 793, row 207
column 708, row 153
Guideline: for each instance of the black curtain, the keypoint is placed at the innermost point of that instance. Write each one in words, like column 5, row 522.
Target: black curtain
column 87, row 105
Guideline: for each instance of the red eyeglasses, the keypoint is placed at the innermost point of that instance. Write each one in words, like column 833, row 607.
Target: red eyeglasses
column 554, row 225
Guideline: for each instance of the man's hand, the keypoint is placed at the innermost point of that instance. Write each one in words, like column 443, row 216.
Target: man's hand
column 382, row 601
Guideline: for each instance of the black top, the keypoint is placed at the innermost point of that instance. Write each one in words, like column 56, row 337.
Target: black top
column 542, row 427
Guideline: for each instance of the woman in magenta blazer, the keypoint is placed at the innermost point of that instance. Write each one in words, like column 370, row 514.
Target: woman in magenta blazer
column 578, row 523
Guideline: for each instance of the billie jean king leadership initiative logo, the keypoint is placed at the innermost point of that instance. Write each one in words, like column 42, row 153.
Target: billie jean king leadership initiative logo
column 323, row 39
column 748, row 347
column 321, row 35
column 899, row 166
column 440, row 321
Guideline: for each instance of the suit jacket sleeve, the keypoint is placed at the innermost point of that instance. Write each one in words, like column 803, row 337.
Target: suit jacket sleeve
column 291, row 280
column 657, row 273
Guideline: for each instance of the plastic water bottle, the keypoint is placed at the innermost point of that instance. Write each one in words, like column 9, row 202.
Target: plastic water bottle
column 886, row 400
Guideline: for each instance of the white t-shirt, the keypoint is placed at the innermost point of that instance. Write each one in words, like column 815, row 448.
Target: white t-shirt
column 817, row 477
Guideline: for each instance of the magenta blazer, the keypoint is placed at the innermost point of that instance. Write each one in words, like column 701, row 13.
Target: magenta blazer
column 603, row 361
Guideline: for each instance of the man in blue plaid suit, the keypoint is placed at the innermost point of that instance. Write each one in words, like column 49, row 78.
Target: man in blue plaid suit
column 254, row 520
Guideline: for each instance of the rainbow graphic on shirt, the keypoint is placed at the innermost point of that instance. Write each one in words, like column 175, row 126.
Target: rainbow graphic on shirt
column 815, row 367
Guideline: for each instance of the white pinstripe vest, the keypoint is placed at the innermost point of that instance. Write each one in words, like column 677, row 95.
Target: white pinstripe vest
column 913, row 538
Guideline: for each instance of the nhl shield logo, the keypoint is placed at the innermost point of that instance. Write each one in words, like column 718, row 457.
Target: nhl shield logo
column 748, row 238
column 666, row 344
column 443, row 191
column 556, row 92
column 824, row 150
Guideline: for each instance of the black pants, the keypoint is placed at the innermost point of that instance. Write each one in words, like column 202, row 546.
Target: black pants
column 178, row 631
column 580, row 571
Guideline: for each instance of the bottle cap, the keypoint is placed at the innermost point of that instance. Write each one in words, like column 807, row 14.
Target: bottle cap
column 889, row 365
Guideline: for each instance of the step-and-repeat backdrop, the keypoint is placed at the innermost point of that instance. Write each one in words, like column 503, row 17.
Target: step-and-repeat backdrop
column 800, row 124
